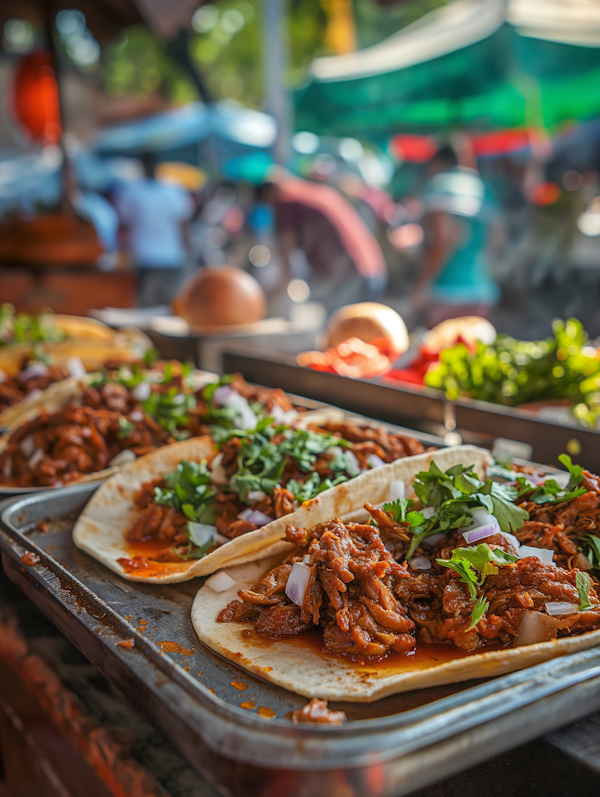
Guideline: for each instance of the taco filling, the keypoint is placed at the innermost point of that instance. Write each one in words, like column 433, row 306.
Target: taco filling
column 256, row 477
column 124, row 413
column 469, row 564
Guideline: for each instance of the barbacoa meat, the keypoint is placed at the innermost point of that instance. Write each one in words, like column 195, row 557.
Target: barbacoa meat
column 57, row 448
column 367, row 604
column 15, row 388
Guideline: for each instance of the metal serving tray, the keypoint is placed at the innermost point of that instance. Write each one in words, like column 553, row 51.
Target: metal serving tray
column 386, row 749
column 424, row 409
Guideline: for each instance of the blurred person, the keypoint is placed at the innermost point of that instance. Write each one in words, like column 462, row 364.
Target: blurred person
column 460, row 227
column 156, row 216
column 345, row 262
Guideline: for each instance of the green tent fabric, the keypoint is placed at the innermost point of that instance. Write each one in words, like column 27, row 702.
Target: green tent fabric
column 470, row 63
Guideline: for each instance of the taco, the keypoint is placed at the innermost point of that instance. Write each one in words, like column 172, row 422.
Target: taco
column 454, row 584
column 80, row 428
column 188, row 502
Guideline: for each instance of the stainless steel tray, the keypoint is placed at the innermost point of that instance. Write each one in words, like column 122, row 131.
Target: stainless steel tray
column 386, row 749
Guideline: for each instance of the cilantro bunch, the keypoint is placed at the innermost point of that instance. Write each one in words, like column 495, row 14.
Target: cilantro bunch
column 550, row 492
column 513, row 372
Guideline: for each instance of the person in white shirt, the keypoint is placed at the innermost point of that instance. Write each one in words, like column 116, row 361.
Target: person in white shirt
column 156, row 215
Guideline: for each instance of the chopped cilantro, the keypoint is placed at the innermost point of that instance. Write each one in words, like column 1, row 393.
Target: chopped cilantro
column 474, row 564
column 584, row 584
column 594, row 549
column 481, row 606
column 188, row 491
column 170, row 409
column 576, row 471
column 126, row 428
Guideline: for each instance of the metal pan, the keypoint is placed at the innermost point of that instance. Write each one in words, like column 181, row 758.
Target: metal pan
column 386, row 749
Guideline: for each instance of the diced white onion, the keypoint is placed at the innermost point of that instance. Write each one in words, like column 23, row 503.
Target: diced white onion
column 545, row 555
column 255, row 516
column 142, row 391
column 512, row 539
column 297, row 583
column 427, row 512
column 218, row 475
column 352, row 463
column 419, row 563
column 35, row 369
column 335, row 451
column 220, row 582
column 75, row 367
column 433, row 539
column 561, row 607
column 201, row 533
column 397, row 490
column 480, row 533
column 123, row 457
column 27, row 445
column 281, row 416
column 535, row 627
column 482, row 517
column 227, row 397
column 37, row 455
column 256, row 495
column 375, row 461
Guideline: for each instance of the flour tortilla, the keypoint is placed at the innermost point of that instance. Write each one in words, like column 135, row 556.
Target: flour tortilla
column 304, row 670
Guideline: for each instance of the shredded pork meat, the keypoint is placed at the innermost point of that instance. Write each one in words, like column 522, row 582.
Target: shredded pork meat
column 15, row 388
column 367, row 604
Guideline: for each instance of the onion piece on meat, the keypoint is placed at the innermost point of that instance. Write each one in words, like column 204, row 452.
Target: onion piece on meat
column 255, row 516
column 397, row 490
column 218, row 475
column 561, row 607
column 142, row 391
column 480, row 533
column 136, row 416
column 226, row 396
column 27, row 445
column 281, row 416
column 536, row 627
column 36, row 457
column 201, row 533
column 352, row 463
column 75, row 367
column 256, row 495
column 374, row 461
column 419, row 563
column 545, row 555
column 35, row 369
column 427, row 512
column 220, row 582
column 123, row 457
column 297, row 583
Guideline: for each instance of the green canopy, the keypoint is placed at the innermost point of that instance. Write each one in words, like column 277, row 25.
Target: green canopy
column 479, row 63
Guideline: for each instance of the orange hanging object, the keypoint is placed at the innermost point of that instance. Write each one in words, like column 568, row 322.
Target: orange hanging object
column 35, row 98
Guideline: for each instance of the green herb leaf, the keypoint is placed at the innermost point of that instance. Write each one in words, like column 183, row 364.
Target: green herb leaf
column 480, row 608
column 399, row 508
column 576, row 471
column 584, row 584
column 594, row 549
column 474, row 564
column 126, row 428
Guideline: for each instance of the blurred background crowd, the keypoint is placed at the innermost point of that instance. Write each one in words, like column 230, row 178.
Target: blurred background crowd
column 442, row 157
